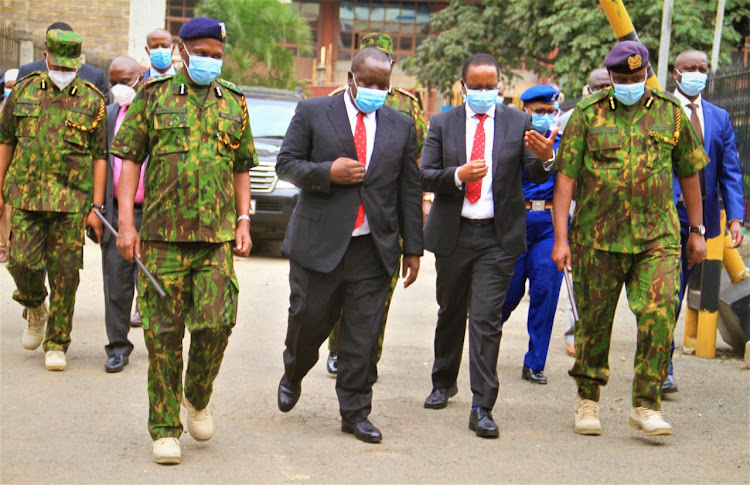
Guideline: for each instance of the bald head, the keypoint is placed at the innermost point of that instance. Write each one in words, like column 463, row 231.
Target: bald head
column 124, row 70
column 690, row 56
column 599, row 79
column 159, row 38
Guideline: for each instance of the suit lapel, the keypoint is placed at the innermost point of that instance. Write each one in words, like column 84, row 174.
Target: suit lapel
column 707, row 115
column 459, row 140
column 497, row 143
column 383, row 129
column 339, row 118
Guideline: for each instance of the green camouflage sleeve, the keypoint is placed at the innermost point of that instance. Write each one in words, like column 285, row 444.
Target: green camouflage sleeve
column 688, row 156
column 132, row 141
column 98, row 139
column 569, row 157
column 245, row 158
column 8, row 121
column 421, row 126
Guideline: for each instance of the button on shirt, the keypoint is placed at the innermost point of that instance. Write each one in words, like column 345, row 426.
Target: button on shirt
column 689, row 111
column 484, row 208
column 370, row 120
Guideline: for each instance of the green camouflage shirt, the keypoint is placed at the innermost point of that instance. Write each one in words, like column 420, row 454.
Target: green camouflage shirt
column 622, row 162
column 405, row 102
column 194, row 146
column 57, row 135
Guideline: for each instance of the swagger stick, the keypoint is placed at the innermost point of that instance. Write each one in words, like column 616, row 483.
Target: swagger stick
column 568, row 281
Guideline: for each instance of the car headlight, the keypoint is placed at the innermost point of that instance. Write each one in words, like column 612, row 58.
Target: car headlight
column 281, row 184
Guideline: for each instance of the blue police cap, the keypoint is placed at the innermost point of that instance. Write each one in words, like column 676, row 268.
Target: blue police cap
column 627, row 57
column 203, row 28
column 543, row 93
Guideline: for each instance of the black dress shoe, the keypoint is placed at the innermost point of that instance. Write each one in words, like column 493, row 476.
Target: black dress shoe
column 363, row 431
column 533, row 376
column 438, row 398
column 332, row 364
column 116, row 363
column 480, row 421
column 288, row 394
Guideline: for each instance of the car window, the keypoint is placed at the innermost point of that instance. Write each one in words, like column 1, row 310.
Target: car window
column 270, row 117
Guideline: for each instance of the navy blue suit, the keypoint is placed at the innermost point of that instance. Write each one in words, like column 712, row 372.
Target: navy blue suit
column 537, row 266
column 723, row 171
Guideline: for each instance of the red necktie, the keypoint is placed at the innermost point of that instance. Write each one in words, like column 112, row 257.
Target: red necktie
column 474, row 189
column 360, row 143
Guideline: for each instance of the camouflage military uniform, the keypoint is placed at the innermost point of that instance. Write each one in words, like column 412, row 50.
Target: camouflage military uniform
column 196, row 137
column 625, row 229
column 409, row 105
column 57, row 135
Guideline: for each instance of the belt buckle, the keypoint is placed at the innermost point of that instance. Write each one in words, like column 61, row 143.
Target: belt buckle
column 537, row 205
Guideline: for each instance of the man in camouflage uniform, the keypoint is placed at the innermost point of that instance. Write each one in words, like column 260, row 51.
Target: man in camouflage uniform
column 194, row 129
column 408, row 104
column 52, row 167
column 618, row 154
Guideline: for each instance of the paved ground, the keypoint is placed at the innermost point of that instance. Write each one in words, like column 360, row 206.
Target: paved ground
column 86, row 426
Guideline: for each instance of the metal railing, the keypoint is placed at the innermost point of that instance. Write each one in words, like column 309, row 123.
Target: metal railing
column 12, row 42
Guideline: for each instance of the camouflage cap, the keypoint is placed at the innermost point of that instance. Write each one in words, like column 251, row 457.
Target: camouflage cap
column 379, row 41
column 64, row 49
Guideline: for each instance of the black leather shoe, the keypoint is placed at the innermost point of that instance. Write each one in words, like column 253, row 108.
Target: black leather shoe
column 135, row 320
column 288, row 394
column 669, row 386
column 363, row 431
column 116, row 363
column 480, row 421
column 533, row 376
column 438, row 398
column 333, row 364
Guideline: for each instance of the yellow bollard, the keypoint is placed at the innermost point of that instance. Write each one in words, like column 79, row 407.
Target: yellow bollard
column 733, row 263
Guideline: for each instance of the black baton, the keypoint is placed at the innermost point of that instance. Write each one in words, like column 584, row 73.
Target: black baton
column 148, row 274
column 568, row 279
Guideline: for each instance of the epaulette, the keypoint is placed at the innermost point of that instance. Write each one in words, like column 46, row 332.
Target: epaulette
column 93, row 86
column 28, row 76
column 338, row 90
column 407, row 93
column 229, row 85
column 666, row 95
column 592, row 98
column 153, row 80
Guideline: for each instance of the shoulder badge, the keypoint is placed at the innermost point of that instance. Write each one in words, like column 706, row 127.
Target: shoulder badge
column 338, row 90
column 406, row 93
column 229, row 85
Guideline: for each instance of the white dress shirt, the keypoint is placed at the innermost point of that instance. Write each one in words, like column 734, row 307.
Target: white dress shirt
column 484, row 208
column 154, row 73
column 689, row 111
column 370, row 120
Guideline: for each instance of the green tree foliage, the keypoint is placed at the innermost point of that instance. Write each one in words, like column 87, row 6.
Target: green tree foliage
column 256, row 30
column 529, row 32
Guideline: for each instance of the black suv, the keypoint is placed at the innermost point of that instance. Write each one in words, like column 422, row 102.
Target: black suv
column 273, row 200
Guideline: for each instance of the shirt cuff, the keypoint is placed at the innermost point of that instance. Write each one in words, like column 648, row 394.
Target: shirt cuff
column 456, row 180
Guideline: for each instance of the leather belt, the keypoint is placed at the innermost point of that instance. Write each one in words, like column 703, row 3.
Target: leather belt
column 478, row 222
column 538, row 205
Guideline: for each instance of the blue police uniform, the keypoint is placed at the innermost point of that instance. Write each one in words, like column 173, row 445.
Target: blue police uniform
column 536, row 265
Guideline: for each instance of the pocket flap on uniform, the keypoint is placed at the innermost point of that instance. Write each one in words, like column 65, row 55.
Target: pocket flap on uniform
column 167, row 121
column 603, row 141
column 27, row 108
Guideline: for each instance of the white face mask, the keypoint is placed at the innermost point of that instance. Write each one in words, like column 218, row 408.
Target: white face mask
column 60, row 78
column 123, row 93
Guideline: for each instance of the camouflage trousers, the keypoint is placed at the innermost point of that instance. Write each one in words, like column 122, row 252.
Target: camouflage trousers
column 51, row 240
column 333, row 338
column 651, row 280
column 201, row 296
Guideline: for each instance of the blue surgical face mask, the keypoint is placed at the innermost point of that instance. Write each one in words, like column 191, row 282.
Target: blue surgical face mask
column 203, row 70
column 7, row 92
column 368, row 99
column 161, row 58
column 629, row 94
column 481, row 100
column 542, row 123
column 692, row 82
column 500, row 100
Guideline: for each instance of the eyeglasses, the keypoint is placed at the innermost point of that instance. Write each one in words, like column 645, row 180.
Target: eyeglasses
column 543, row 111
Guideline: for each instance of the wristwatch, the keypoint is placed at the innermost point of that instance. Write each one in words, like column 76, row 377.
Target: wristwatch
column 549, row 163
column 701, row 229
column 245, row 217
column 97, row 206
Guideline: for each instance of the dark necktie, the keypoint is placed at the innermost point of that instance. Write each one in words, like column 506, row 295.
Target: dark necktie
column 474, row 189
column 360, row 143
column 696, row 122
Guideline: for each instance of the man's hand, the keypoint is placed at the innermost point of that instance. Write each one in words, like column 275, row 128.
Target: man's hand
column 540, row 145
column 128, row 242
column 93, row 221
column 561, row 255
column 735, row 231
column 242, row 239
column 696, row 249
column 472, row 171
column 410, row 269
column 346, row 171
column 426, row 206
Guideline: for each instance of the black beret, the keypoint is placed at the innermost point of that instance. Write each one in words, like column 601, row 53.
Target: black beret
column 627, row 57
column 203, row 28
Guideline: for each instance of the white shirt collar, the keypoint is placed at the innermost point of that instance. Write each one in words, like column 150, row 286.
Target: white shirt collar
column 470, row 113
column 684, row 101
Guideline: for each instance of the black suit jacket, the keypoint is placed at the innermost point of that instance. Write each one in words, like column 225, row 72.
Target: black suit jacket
column 86, row 72
column 322, row 222
column 445, row 150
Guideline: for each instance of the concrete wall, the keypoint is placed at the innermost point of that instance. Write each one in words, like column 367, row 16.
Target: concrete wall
column 146, row 15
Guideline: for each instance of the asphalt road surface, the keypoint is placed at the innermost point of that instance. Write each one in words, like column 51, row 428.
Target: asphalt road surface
column 86, row 426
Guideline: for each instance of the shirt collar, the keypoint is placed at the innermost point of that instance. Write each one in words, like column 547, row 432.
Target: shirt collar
column 352, row 110
column 684, row 101
column 470, row 113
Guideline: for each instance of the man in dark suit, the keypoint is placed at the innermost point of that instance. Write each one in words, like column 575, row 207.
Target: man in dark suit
column 472, row 160
column 354, row 161
column 119, row 274
column 85, row 72
column 723, row 172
